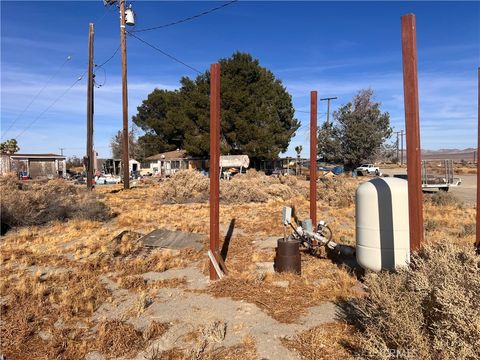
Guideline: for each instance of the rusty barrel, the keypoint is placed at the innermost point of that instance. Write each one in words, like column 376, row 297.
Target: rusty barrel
column 287, row 257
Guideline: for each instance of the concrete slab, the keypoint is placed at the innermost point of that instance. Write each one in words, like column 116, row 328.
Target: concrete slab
column 177, row 240
column 267, row 243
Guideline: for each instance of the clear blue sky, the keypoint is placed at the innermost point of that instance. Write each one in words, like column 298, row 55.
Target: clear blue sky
column 336, row 48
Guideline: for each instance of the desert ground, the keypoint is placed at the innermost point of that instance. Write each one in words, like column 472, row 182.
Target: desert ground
column 83, row 286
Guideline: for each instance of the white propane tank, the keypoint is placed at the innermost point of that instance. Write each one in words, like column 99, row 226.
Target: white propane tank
column 382, row 227
column 129, row 17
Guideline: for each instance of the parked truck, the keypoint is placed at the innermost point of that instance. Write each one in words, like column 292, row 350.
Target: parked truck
column 367, row 169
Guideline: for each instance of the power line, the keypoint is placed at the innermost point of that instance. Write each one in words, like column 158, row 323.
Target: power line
column 188, row 18
column 164, row 53
column 110, row 58
column 37, row 95
column 50, row 106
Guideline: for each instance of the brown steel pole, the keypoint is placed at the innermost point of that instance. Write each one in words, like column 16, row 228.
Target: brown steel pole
column 313, row 157
column 477, row 242
column 412, row 129
column 90, row 109
column 401, row 161
column 125, row 157
column 214, row 163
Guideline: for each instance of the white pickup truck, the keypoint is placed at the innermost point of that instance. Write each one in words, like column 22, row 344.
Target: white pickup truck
column 368, row 169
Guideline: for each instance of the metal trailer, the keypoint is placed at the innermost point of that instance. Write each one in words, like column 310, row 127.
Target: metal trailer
column 437, row 174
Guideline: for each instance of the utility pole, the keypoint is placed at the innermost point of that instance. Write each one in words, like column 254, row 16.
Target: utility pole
column 61, row 151
column 313, row 158
column 477, row 240
column 89, row 163
column 328, row 107
column 214, row 163
column 123, row 40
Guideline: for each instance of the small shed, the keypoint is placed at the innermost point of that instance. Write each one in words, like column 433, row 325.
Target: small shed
column 36, row 165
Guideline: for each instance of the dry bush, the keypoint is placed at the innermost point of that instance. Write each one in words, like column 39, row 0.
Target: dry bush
column 184, row 186
column 337, row 191
column 35, row 203
column 327, row 341
column 443, row 198
column 429, row 311
column 191, row 186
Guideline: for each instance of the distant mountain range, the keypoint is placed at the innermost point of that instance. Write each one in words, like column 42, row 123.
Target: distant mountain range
column 450, row 154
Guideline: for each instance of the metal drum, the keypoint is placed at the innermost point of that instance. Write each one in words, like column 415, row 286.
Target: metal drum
column 287, row 258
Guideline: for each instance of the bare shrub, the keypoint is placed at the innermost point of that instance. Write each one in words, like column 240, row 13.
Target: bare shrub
column 337, row 191
column 429, row 311
column 467, row 230
column 443, row 198
column 36, row 203
column 191, row 186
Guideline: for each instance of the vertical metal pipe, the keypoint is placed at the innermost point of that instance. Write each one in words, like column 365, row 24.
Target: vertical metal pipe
column 90, row 109
column 401, row 147
column 313, row 157
column 125, row 137
column 412, row 129
column 214, row 162
column 477, row 243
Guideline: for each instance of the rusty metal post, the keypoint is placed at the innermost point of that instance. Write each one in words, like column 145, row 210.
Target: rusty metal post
column 412, row 129
column 214, row 162
column 90, row 164
column 477, row 243
column 313, row 157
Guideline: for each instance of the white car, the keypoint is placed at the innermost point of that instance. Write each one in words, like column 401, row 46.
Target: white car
column 368, row 169
column 107, row 179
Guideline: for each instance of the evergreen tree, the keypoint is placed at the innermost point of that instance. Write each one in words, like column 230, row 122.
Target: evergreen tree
column 257, row 115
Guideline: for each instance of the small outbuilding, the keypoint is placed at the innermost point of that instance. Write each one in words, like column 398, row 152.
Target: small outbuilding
column 35, row 165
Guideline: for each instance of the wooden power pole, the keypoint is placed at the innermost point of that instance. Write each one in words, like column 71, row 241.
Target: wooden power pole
column 313, row 158
column 412, row 129
column 214, row 163
column 125, row 137
column 328, row 107
column 477, row 242
column 89, row 162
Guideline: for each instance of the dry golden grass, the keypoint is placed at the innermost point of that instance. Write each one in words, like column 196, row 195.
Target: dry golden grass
column 325, row 342
column 33, row 261
column 320, row 279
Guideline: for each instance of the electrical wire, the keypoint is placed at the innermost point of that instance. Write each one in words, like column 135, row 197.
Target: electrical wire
column 37, row 95
column 164, row 53
column 188, row 18
column 51, row 105
column 95, row 83
column 110, row 58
